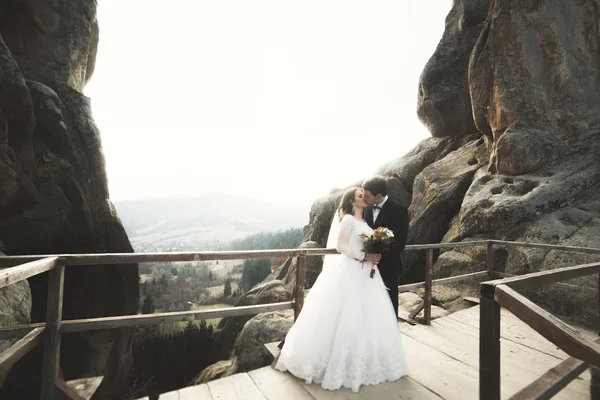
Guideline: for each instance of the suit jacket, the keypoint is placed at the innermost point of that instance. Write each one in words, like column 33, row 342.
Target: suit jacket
column 394, row 217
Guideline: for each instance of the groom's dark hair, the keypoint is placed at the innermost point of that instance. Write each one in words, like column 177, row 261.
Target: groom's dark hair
column 376, row 185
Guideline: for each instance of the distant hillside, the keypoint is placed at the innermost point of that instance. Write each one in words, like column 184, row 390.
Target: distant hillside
column 203, row 221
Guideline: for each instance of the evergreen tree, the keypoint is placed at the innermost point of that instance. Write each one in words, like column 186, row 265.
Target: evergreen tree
column 227, row 288
column 148, row 306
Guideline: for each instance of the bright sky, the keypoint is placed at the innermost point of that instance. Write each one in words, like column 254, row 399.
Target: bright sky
column 274, row 99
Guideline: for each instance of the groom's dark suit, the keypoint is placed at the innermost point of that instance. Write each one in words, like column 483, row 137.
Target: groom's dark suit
column 394, row 217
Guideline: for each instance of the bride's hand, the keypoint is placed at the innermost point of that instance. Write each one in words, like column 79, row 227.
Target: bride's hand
column 373, row 257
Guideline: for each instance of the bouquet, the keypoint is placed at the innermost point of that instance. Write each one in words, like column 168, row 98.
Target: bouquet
column 377, row 242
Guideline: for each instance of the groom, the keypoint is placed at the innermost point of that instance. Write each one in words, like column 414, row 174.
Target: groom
column 390, row 214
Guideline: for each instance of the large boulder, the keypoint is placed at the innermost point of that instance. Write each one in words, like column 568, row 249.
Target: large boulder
column 273, row 291
column 249, row 351
column 54, row 194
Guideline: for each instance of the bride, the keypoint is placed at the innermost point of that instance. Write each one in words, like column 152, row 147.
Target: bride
column 347, row 333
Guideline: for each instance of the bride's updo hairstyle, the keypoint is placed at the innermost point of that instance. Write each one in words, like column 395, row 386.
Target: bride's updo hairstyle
column 346, row 202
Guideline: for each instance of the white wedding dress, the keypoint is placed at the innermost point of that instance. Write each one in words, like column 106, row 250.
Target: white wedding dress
column 347, row 333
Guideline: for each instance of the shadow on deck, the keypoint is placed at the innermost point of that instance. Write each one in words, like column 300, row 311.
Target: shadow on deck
column 443, row 361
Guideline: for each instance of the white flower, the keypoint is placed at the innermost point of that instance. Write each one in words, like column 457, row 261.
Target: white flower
column 390, row 233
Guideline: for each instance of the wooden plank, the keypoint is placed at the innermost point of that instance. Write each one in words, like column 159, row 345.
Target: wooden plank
column 519, row 334
column 404, row 316
column 542, row 278
column 553, row 381
column 442, row 281
column 130, row 258
column 195, row 393
column 427, row 296
column 514, row 329
column 174, row 395
column 453, row 245
column 54, row 304
column 273, row 348
column 276, row 385
column 417, row 310
column 447, row 377
column 15, row 352
column 235, row 387
column 12, row 275
column 300, row 284
column 558, row 284
column 18, row 331
column 161, row 318
column 86, row 387
column 489, row 350
column 125, row 321
column 520, row 365
column 318, row 393
column 575, row 249
column 404, row 389
column 490, row 260
column 547, row 325
column 65, row 392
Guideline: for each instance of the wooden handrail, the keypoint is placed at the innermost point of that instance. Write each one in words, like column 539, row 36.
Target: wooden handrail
column 542, row 278
column 35, row 264
column 576, row 249
column 442, row 281
column 89, row 324
column 20, row 348
column 27, row 270
column 560, row 334
column 128, row 258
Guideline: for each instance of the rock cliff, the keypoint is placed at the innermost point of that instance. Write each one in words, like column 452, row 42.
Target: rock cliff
column 53, row 193
column 511, row 98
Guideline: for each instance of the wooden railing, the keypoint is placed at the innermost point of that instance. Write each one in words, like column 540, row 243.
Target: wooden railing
column 16, row 268
column 503, row 293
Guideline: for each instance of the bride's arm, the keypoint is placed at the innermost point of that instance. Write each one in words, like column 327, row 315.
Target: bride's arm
column 343, row 242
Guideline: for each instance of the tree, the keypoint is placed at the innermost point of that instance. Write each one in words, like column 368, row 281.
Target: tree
column 227, row 288
column 210, row 276
column 148, row 306
column 145, row 288
column 255, row 271
column 174, row 271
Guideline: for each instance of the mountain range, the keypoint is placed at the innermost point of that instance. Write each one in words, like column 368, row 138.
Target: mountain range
column 204, row 221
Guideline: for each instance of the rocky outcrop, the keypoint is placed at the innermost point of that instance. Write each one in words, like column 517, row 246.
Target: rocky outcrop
column 523, row 73
column 273, row 291
column 249, row 351
column 54, row 194
column 511, row 97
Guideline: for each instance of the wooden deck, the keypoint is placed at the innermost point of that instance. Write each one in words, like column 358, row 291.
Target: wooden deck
column 443, row 364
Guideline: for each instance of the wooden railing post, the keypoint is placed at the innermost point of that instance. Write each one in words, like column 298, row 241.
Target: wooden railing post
column 595, row 373
column 53, row 322
column 428, row 295
column 489, row 344
column 490, row 260
column 300, row 283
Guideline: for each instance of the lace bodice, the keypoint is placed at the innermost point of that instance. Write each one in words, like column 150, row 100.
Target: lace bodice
column 349, row 241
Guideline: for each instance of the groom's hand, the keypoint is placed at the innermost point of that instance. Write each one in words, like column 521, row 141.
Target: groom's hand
column 373, row 257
